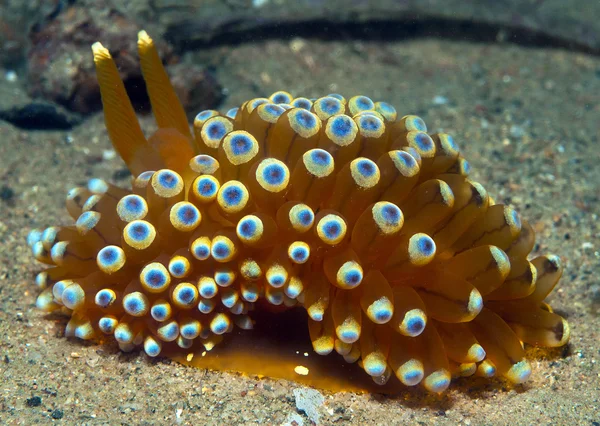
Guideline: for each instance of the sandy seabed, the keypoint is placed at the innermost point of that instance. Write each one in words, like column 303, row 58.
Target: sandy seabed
column 527, row 121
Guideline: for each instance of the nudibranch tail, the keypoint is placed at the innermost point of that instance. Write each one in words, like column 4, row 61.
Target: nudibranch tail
column 340, row 208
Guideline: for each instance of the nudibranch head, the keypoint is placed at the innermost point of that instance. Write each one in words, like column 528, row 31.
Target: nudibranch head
column 338, row 207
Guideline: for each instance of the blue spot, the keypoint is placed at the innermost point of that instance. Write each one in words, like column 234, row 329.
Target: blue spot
column 336, row 96
column 299, row 254
column 516, row 218
column 189, row 331
column 187, row 215
column 275, row 298
column 134, row 305
column 159, row 312
column 240, row 144
column 216, row 130
column 108, row 256
column 205, row 306
column 419, row 124
column 88, row 219
column 223, row 278
column 69, row 297
column 186, row 296
column 383, row 106
column 168, row 179
column 133, row 204
column 201, row 251
column 170, row 331
column 205, row 160
column 330, row 106
column 413, row 376
column 47, row 237
column 97, row 186
column 415, row 325
column 229, row 301
column 204, row 115
column 383, row 316
column 305, row 119
column 364, row 103
column 220, row 327
column 452, row 143
column 320, row 157
column 34, row 236
column 353, row 277
column 247, row 228
column 366, row 168
column 207, row 291
column 424, row 142
column 305, row 217
column 146, row 175
column 232, row 195
column 349, row 335
column 250, row 295
column 426, row 246
column 274, row 110
column 375, row 371
column 122, row 335
column 256, row 102
column 407, row 159
column 206, row 187
column 302, row 103
column 232, row 112
column 342, row 126
column 58, row 289
column 106, row 324
column 276, row 280
column 152, row 348
column 391, row 214
column 177, row 268
column 280, row 98
column 274, row 174
column 291, row 292
column 466, row 167
column 440, row 383
column 369, row 122
column 155, row 278
column 332, row 229
column 220, row 250
column 139, row 231
column 317, row 316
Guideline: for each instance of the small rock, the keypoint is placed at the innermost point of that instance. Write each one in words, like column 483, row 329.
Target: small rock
column 517, row 131
column 6, row 193
column 34, row 401
column 587, row 246
column 294, row 419
column 595, row 294
column 10, row 76
column 308, row 401
column 108, row 154
column 440, row 100
column 40, row 116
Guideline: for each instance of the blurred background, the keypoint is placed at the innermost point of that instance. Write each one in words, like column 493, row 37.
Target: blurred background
column 48, row 79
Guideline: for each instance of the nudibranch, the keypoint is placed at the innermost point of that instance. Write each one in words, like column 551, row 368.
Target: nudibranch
column 337, row 207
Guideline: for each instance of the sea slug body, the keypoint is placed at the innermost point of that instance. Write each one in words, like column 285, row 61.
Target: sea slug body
column 337, row 206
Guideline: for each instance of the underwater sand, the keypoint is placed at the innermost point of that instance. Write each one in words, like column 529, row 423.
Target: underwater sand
column 527, row 121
